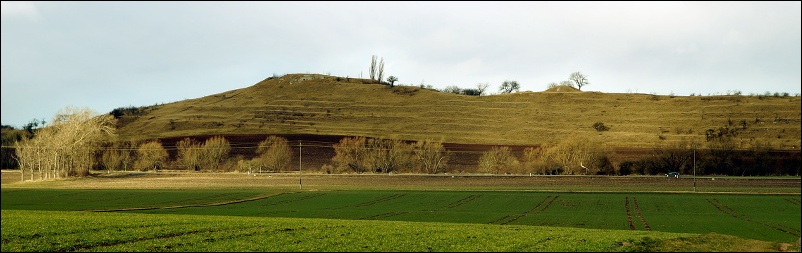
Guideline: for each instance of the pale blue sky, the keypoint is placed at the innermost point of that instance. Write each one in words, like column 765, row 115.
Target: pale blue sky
column 105, row 55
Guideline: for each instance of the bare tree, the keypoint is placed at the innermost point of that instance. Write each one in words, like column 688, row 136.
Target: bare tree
column 579, row 79
column 574, row 154
column 69, row 146
column 274, row 153
column 112, row 158
column 380, row 73
column 350, row 154
column 674, row 157
column 372, row 69
column 387, row 155
column 509, row 87
column 190, row 153
column 497, row 160
column 430, row 155
column 216, row 150
column 481, row 87
column 151, row 155
column 536, row 161
column 128, row 154
column 376, row 69
column 26, row 156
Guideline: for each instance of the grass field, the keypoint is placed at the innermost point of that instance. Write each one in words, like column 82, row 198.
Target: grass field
column 164, row 212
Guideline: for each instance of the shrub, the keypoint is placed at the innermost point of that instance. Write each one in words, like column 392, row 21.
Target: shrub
column 600, row 127
column 497, row 160
column 471, row 92
column 123, row 111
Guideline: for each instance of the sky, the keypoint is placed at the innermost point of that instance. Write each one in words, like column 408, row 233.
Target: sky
column 106, row 55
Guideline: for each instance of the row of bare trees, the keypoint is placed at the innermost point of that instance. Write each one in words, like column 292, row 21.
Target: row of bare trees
column 376, row 69
column 573, row 156
column 360, row 154
column 67, row 147
column 194, row 155
column 576, row 80
column 273, row 154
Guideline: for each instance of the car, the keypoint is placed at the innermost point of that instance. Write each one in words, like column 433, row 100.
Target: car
column 673, row 174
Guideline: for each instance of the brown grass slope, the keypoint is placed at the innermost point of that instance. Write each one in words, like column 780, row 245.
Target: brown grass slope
column 338, row 106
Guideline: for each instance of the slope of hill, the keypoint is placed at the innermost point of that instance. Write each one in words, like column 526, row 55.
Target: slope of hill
column 312, row 104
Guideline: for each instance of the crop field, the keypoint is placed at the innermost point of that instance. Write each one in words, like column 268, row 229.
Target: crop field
column 91, row 214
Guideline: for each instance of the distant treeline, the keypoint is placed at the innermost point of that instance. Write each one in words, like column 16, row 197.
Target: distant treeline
column 575, row 156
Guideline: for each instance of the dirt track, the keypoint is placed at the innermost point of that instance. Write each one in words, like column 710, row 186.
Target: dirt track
column 181, row 180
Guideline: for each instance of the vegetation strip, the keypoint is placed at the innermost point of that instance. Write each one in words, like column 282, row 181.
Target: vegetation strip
column 629, row 215
column 461, row 201
column 299, row 199
column 726, row 209
column 516, row 217
column 258, row 197
column 380, row 200
column 112, row 243
column 237, row 234
column 384, row 215
column 43, row 234
column 178, row 234
column 640, row 215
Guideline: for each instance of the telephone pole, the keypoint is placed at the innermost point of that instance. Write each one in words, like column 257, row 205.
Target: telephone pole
column 300, row 183
column 694, row 168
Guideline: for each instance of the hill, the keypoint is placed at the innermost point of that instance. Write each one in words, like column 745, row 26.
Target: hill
column 312, row 104
column 318, row 110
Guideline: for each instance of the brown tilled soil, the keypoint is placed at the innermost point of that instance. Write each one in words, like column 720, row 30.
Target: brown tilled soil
column 317, row 150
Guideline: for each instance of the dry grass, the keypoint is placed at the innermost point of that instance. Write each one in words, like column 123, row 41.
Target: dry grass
column 325, row 106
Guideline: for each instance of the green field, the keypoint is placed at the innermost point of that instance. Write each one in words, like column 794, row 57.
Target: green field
column 391, row 220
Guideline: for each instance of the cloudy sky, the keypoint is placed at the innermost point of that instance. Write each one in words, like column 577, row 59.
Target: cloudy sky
column 105, row 55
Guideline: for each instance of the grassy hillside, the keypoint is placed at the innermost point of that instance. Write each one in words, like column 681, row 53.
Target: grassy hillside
column 328, row 105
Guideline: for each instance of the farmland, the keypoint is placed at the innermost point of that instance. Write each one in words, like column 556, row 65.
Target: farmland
column 274, row 212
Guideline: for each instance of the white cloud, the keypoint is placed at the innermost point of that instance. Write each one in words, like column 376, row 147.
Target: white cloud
column 18, row 9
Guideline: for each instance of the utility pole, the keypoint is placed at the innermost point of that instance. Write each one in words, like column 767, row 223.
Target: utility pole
column 300, row 183
column 694, row 168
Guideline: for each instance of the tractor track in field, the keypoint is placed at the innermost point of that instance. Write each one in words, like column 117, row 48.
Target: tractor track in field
column 735, row 214
column 380, row 200
column 637, row 212
column 169, row 247
column 257, row 197
column 629, row 214
column 640, row 215
column 793, row 201
column 299, row 199
column 89, row 230
column 511, row 218
column 461, row 201
column 384, row 215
